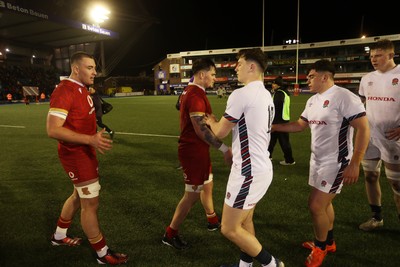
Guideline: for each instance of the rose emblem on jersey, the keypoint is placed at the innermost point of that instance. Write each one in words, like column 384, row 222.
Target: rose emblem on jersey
column 323, row 183
column 228, row 195
column 395, row 81
column 195, row 187
column 326, row 103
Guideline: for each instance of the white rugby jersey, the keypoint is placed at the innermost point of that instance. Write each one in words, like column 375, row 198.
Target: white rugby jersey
column 382, row 94
column 252, row 109
column 328, row 116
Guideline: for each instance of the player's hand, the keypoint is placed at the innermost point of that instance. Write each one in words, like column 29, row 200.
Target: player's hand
column 209, row 119
column 228, row 157
column 351, row 173
column 101, row 142
column 393, row 134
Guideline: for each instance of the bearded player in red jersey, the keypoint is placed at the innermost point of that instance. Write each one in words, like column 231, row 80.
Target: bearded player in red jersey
column 72, row 121
column 194, row 152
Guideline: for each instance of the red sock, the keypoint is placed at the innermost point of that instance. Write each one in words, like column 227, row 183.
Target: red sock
column 98, row 242
column 62, row 223
column 212, row 218
column 171, row 232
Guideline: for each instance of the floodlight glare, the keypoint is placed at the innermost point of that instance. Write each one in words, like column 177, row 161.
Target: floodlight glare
column 99, row 14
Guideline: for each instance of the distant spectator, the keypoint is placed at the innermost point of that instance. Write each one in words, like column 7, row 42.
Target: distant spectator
column 97, row 102
column 281, row 98
column 220, row 91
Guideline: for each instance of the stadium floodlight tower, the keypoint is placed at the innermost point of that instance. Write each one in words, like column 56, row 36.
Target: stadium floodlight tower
column 99, row 14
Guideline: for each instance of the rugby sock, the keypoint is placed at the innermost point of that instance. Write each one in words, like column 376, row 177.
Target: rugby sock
column 102, row 252
column 263, row 257
column 212, row 218
column 98, row 244
column 171, row 232
column 62, row 228
column 245, row 260
column 329, row 239
column 320, row 244
column 60, row 233
column 377, row 212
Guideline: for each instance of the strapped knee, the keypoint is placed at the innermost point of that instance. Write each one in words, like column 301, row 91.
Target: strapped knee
column 394, row 177
column 89, row 191
column 193, row 188
column 370, row 165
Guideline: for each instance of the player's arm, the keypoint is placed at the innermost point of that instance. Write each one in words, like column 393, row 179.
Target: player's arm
column 220, row 128
column 55, row 130
column 362, row 134
column 205, row 134
column 291, row 127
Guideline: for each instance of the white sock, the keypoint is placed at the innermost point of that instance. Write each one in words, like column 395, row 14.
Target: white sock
column 102, row 252
column 60, row 233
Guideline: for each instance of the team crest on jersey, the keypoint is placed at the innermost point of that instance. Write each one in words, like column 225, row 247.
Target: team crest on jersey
column 323, row 183
column 395, row 81
column 228, row 195
column 195, row 187
column 326, row 104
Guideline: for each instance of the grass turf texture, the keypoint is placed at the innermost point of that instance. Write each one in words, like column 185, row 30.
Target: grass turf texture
column 141, row 188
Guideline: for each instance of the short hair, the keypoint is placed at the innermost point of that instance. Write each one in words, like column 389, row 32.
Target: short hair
column 384, row 44
column 278, row 80
column 323, row 65
column 254, row 54
column 78, row 56
column 202, row 64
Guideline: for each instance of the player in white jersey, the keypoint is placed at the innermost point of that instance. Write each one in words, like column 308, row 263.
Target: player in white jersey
column 380, row 89
column 332, row 114
column 249, row 115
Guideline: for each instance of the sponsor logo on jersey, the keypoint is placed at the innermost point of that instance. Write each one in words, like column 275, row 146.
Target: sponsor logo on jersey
column 72, row 176
column 318, row 122
column 381, row 98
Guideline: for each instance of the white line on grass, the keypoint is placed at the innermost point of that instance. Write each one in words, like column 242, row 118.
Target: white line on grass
column 11, row 126
column 153, row 135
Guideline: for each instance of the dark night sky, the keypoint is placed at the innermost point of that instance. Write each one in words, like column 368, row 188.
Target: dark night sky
column 187, row 25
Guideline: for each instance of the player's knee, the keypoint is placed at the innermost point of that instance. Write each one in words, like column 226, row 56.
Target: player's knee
column 371, row 165
column 394, row 180
column 371, row 170
column 89, row 191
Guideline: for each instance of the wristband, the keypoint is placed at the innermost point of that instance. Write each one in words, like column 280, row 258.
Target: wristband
column 223, row 148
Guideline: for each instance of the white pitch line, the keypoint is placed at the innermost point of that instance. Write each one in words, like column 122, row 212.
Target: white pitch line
column 155, row 135
column 12, row 126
